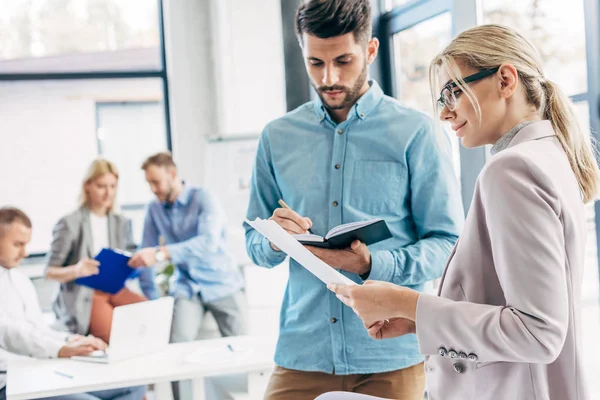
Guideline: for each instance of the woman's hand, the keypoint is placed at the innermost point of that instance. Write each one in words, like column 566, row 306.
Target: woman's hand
column 392, row 328
column 376, row 301
column 86, row 267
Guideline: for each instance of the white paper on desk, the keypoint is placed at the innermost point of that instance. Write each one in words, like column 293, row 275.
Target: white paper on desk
column 289, row 245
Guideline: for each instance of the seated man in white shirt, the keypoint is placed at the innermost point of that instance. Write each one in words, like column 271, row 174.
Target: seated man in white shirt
column 22, row 329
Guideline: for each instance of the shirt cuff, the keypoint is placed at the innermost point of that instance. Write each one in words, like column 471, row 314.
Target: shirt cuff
column 52, row 348
column 175, row 253
column 382, row 266
column 273, row 256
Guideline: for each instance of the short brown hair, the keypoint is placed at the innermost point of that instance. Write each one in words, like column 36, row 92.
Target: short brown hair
column 330, row 18
column 10, row 215
column 162, row 159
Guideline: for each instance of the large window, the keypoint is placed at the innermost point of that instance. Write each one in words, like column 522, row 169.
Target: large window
column 66, row 35
column 79, row 79
column 556, row 28
column 414, row 48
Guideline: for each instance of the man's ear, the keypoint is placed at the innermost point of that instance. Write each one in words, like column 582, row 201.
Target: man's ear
column 372, row 50
column 173, row 172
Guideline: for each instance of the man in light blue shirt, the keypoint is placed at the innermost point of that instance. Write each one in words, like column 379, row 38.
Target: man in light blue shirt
column 192, row 224
column 354, row 154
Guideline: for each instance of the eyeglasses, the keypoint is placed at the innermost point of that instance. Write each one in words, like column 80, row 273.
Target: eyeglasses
column 448, row 93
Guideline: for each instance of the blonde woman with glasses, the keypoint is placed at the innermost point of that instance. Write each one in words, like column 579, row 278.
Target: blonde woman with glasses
column 77, row 239
column 506, row 323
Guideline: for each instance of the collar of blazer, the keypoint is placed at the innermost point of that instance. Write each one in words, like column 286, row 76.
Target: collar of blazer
column 534, row 131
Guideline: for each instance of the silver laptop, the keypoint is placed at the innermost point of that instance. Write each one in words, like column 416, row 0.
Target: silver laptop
column 137, row 329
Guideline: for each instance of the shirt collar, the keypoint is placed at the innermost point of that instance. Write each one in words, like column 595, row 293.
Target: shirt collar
column 183, row 198
column 504, row 141
column 363, row 107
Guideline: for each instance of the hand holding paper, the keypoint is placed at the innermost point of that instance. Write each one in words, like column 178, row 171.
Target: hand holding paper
column 288, row 244
column 355, row 259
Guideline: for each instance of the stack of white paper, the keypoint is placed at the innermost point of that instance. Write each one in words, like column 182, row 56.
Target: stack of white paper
column 289, row 245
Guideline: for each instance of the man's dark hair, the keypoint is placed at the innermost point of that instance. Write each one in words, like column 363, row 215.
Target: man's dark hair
column 329, row 18
column 10, row 215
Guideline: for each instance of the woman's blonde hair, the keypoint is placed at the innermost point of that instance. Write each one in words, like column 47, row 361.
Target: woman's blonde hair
column 489, row 46
column 98, row 168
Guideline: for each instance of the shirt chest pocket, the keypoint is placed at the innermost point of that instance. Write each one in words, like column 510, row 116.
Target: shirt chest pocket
column 378, row 187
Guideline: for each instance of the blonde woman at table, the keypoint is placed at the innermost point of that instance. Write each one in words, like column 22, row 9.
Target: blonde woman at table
column 77, row 238
column 507, row 321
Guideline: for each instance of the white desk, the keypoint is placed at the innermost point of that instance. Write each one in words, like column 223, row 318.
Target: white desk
column 37, row 378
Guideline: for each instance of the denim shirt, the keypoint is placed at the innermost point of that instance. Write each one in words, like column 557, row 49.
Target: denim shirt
column 194, row 229
column 383, row 161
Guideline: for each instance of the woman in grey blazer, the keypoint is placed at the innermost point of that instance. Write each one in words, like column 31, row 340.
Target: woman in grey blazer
column 77, row 238
column 506, row 323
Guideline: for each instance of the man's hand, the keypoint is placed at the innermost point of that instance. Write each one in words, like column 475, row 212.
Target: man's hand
column 81, row 346
column 86, row 267
column 391, row 328
column 356, row 259
column 143, row 258
column 291, row 221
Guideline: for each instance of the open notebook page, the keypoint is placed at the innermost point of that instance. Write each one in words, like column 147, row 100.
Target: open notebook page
column 349, row 227
column 289, row 245
column 338, row 230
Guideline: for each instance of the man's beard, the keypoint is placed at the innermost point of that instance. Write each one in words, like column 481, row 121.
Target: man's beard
column 170, row 194
column 352, row 94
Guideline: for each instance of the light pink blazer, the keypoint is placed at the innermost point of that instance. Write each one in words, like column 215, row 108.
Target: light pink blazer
column 507, row 322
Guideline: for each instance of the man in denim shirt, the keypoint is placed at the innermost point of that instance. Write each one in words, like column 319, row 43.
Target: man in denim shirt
column 192, row 223
column 352, row 155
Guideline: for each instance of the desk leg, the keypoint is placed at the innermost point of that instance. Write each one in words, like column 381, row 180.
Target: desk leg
column 198, row 389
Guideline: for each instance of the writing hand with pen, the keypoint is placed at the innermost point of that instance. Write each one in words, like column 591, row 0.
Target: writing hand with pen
column 290, row 221
column 355, row 259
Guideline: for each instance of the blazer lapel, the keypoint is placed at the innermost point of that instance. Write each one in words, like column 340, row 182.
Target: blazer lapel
column 87, row 233
column 115, row 234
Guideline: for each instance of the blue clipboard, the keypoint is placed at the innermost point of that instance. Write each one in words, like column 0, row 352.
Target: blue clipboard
column 114, row 271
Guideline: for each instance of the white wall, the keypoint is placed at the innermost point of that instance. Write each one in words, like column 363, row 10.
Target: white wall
column 226, row 74
column 226, row 79
column 250, row 75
